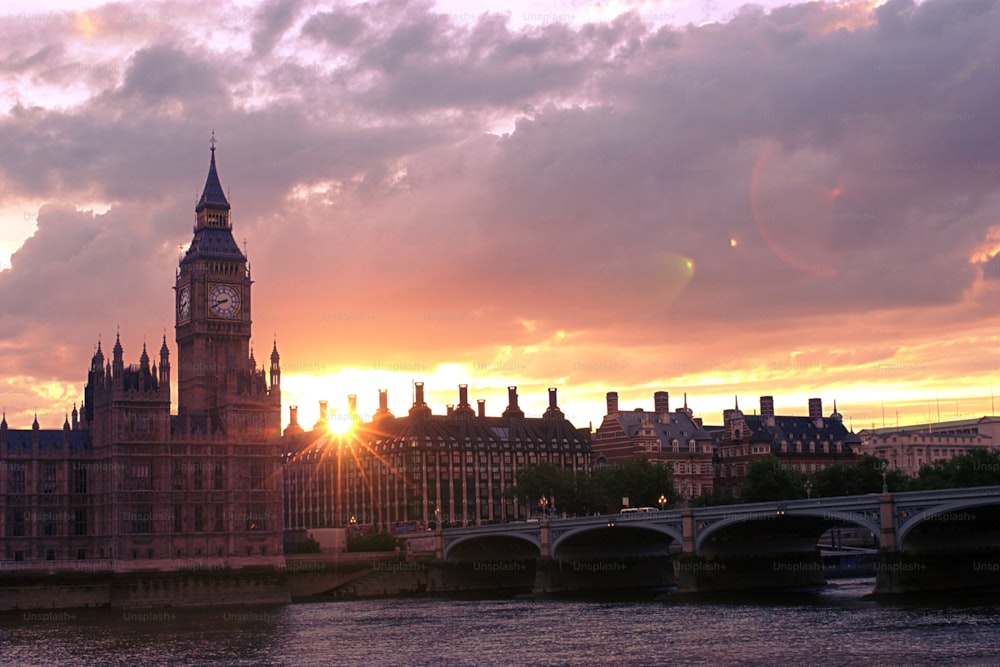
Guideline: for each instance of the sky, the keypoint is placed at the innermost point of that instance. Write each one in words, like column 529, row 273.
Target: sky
column 702, row 197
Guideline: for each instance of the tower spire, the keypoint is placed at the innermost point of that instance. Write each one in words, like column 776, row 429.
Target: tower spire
column 213, row 195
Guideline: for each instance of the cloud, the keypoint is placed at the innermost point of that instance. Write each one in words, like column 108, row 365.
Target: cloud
column 657, row 200
column 275, row 17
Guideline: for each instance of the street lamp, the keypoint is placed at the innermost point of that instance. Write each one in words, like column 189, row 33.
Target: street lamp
column 663, row 501
column 544, row 503
column 885, row 470
column 808, row 487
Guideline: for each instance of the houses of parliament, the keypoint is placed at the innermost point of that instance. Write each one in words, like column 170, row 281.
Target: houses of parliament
column 127, row 486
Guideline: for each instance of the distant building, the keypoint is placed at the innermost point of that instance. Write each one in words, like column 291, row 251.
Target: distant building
column 907, row 448
column 409, row 471
column 807, row 444
column 676, row 438
column 134, row 486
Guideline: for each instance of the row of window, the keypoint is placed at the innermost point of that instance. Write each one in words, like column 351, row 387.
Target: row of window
column 17, row 480
column 140, row 478
column 143, row 520
column 52, row 522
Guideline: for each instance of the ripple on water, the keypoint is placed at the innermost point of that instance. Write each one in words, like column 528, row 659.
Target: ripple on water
column 834, row 627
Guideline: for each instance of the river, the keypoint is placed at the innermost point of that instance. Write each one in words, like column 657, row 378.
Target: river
column 835, row 626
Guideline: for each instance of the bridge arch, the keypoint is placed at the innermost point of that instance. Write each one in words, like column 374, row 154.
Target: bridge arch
column 816, row 513
column 531, row 539
column 909, row 523
column 671, row 531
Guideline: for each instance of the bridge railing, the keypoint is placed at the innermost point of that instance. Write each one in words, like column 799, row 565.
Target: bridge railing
column 860, row 502
column 933, row 494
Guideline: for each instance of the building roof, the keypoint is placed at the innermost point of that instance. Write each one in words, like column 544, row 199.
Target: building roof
column 933, row 426
column 460, row 431
column 212, row 243
column 681, row 427
column 793, row 429
column 213, row 196
column 930, row 433
column 48, row 439
column 485, row 432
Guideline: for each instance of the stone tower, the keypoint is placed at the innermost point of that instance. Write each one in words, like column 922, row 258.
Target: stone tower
column 219, row 388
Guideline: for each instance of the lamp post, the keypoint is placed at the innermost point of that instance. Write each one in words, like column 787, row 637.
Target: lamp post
column 885, row 471
column 808, row 487
column 543, row 502
column 663, row 501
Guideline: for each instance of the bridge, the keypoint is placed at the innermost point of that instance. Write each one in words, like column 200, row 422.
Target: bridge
column 926, row 540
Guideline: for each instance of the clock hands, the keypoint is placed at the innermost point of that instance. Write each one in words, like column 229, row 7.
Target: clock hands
column 224, row 301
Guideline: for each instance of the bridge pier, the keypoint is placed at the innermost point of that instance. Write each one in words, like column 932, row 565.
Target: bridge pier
column 887, row 520
column 950, row 551
column 700, row 574
column 543, row 576
column 687, row 528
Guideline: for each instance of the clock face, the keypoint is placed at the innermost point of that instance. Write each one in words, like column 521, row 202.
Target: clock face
column 224, row 301
column 184, row 303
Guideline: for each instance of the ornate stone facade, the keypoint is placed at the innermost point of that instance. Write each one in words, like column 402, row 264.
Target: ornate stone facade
column 128, row 486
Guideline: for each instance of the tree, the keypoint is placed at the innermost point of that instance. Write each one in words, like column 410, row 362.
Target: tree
column 766, row 479
column 978, row 468
column 638, row 480
column 571, row 494
column 865, row 476
column 717, row 496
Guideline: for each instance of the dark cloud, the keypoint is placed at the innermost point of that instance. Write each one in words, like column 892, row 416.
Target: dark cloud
column 164, row 73
column 340, row 28
column 274, row 18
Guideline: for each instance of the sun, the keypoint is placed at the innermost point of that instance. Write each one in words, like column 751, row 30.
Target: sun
column 340, row 423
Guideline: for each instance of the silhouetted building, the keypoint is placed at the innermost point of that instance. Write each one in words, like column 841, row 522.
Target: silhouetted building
column 907, row 448
column 807, row 444
column 143, row 489
column 423, row 467
column 676, row 438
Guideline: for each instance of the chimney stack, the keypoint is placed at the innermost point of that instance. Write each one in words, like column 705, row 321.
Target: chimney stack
column 293, row 415
column 612, row 402
column 816, row 411
column 322, row 423
column 767, row 409
column 451, row 408
column 553, row 410
column 482, row 407
column 352, row 406
column 418, row 398
column 419, row 406
column 383, row 405
column 661, row 406
column 512, row 409
column 463, row 408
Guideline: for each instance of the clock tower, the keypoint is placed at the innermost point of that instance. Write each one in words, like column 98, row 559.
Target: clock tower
column 219, row 388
